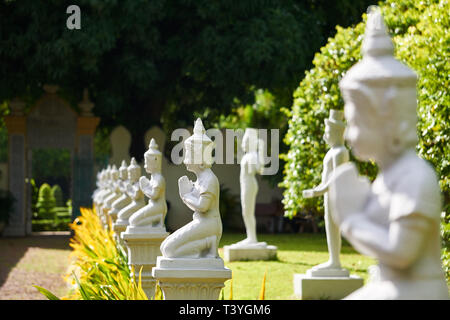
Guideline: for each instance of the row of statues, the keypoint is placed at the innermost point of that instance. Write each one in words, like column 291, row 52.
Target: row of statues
column 395, row 219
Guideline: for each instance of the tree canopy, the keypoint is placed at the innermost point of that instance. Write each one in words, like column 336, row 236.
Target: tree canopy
column 156, row 62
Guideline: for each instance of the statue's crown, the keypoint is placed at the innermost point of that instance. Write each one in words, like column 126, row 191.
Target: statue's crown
column 378, row 65
column 153, row 149
column 134, row 167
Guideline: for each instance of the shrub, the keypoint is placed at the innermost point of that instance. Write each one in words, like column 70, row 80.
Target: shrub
column 421, row 37
column 46, row 203
column 58, row 195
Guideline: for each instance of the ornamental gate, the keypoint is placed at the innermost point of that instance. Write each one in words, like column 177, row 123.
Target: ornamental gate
column 50, row 123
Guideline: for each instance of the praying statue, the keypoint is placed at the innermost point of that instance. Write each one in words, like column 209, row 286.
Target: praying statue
column 200, row 237
column 337, row 155
column 395, row 219
column 154, row 212
column 134, row 192
column 123, row 200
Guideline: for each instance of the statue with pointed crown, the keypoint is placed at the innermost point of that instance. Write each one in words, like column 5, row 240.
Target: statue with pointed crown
column 199, row 238
column 104, row 193
column 337, row 155
column 190, row 266
column 396, row 219
column 152, row 215
column 115, row 193
column 135, row 193
column 123, row 200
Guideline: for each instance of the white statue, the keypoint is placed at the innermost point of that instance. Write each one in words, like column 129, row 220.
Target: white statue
column 251, row 164
column 154, row 212
column 199, row 238
column 337, row 155
column 395, row 219
column 134, row 192
column 123, row 200
column 104, row 193
column 114, row 194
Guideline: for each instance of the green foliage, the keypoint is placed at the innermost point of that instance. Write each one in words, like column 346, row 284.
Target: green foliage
column 57, row 195
column 51, row 163
column 155, row 62
column 421, row 37
column 445, row 253
column 46, row 203
column 6, row 205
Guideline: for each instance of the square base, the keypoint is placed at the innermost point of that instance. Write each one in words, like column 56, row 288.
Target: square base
column 325, row 288
column 232, row 253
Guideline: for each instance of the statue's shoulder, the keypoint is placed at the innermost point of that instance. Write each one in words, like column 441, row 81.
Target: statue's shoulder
column 209, row 183
column 414, row 187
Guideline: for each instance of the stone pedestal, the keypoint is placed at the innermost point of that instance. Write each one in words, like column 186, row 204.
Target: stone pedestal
column 143, row 248
column 118, row 227
column 191, row 279
column 309, row 287
column 258, row 251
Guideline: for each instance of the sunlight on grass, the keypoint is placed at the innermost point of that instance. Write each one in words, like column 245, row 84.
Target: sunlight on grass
column 296, row 254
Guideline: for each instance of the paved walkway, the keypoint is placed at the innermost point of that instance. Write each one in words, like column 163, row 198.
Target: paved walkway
column 40, row 259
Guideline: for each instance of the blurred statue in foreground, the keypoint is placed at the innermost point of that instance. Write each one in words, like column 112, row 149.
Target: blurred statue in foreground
column 395, row 219
column 337, row 155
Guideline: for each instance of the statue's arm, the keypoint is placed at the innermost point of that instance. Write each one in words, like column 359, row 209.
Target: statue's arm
column 397, row 246
column 316, row 191
column 199, row 204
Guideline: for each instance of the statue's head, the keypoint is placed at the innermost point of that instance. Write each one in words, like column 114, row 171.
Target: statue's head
column 334, row 128
column 198, row 149
column 123, row 171
column 134, row 171
column 152, row 158
column 250, row 140
column 114, row 173
column 380, row 98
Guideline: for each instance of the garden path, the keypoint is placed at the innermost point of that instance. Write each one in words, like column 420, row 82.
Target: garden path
column 41, row 259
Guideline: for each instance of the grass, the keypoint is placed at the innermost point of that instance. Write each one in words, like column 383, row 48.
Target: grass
column 296, row 253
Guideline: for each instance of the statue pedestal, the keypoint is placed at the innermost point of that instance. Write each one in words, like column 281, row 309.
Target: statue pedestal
column 247, row 252
column 143, row 247
column 310, row 286
column 118, row 227
column 191, row 279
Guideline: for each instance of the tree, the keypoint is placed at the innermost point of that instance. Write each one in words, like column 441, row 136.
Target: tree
column 420, row 35
column 156, row 62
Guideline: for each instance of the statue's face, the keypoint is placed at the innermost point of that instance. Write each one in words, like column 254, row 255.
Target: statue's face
column 123, row 174
column 133, row 175
column 152, row 163
column 362, row 133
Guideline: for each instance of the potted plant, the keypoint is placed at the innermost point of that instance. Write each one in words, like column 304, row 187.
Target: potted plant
column 6, row 208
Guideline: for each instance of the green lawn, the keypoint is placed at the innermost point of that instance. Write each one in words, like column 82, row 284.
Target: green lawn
column 296, row 254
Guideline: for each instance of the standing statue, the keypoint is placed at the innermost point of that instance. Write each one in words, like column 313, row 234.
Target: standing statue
column 396, row 219
column 134, row 192
column 199, row 238
column 251, row 164
column 154, row 212
column 337, row 155
column 123, row 200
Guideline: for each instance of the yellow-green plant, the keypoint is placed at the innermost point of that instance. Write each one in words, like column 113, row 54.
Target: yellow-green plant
column 99, row 269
